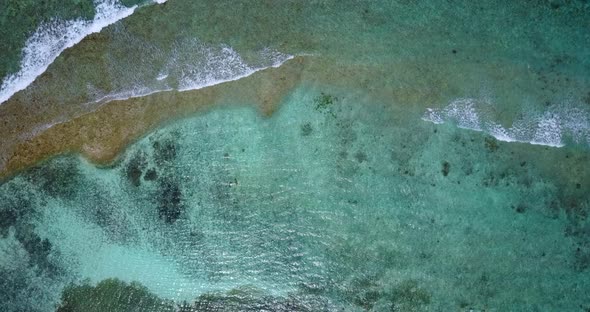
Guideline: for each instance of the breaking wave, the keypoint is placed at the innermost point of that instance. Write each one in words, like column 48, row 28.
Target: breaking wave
column 193, row 65
column 555, row 127
column 52, row 38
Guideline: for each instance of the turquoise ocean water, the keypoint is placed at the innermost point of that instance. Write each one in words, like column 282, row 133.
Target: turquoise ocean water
column 433, row 158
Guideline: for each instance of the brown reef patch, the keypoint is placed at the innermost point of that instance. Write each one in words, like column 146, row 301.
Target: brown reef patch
column 102, row 134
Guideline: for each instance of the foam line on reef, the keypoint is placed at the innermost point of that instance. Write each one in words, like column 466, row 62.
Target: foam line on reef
column 52, row 38
column 550, row 128
column 87, row 134
column 220, row 65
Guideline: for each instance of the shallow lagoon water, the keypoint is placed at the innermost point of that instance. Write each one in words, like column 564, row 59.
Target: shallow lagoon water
column 362, row 192
column 327, row 203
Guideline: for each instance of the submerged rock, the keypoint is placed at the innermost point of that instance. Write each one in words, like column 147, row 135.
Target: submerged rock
column 164, row 150
column 446, row 168
column 112, row 295
column 306, row 129
column 58, row 177
column 324, row 101
column 135, row 167
column 170, row 201
column 150, row 175
column 248, row 298
column 408, row 296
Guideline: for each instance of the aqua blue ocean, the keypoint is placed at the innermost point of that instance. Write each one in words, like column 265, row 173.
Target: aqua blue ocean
column 433, row 156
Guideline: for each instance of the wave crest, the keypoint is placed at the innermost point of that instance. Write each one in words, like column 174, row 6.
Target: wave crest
column 52, row 38
column 554, row 127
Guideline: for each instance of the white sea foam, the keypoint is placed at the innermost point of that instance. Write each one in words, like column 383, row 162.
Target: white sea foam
column 219, row 64
column 127, row 94
column 194, row 65
column 462, row 112
column 50, row 39
column 551, row 128
column 191, row 65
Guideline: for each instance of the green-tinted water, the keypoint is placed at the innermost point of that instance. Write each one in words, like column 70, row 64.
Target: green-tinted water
column 524, row 60
column 331, row 203
column 345, row 199
column 20, row 18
